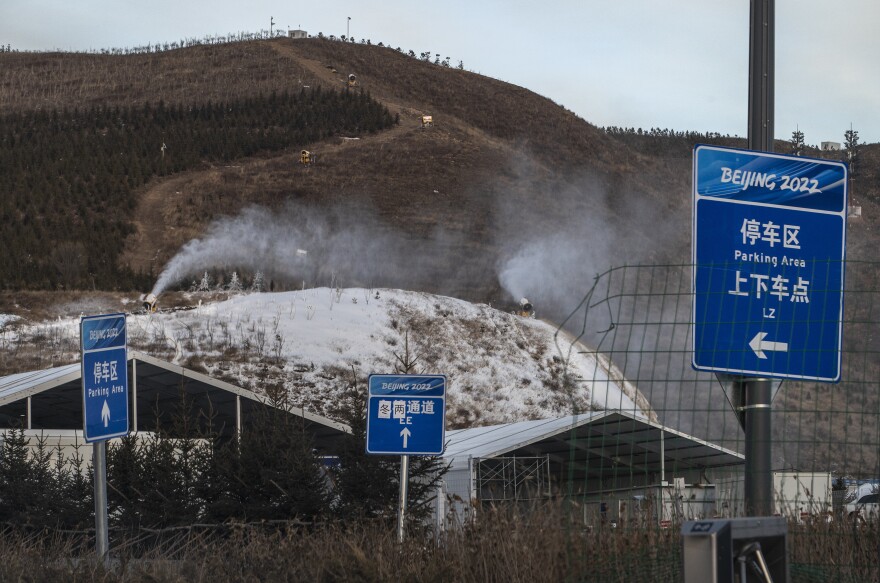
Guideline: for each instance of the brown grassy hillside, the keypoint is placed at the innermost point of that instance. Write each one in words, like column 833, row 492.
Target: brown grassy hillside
column 502, row 164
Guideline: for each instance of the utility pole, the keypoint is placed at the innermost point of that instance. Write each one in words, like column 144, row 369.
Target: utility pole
column 757, row 393
column 271, row 24
column 347, row 24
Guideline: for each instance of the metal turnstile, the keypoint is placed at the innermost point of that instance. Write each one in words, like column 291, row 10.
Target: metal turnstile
column 736, row 550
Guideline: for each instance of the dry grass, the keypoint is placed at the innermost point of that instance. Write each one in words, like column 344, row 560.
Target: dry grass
column 510, row 546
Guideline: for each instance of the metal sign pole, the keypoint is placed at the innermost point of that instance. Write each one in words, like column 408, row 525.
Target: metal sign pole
column 401, row 501
column 102, row 539
column 756, row 421
column 104, row 374
column 758, row 490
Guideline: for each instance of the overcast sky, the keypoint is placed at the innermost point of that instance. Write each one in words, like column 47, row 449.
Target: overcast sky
column 679, row 64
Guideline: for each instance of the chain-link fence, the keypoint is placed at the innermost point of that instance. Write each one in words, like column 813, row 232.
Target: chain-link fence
column 825, row 436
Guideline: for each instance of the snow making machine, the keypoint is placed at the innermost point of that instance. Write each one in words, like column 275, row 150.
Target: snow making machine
column 150, row 301
column 526, row 309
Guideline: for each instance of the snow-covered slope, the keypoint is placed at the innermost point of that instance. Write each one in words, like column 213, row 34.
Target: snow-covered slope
column 315, row 342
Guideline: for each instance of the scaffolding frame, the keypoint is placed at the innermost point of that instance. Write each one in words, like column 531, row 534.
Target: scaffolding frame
column 513, row 478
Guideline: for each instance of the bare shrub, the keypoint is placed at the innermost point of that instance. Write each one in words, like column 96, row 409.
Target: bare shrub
column 547, row 542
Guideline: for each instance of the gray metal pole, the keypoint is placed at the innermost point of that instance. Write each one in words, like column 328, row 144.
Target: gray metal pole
column 761, row 74
column 758, row 488
column 758, row 393
column 401, row 501
column 102, row 539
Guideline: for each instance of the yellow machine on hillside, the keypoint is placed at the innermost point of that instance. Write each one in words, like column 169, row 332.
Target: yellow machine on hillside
column 526, row 309
column 427, row 121
column 306, row 158
column 352, row 81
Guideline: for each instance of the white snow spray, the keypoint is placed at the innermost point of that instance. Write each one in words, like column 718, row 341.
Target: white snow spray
column 300, row 243
column 555, row 266
column 555, row 262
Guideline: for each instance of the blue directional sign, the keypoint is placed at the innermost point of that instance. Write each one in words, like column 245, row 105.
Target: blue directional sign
column 104, row 377
column 769, row 241
column 406, row 414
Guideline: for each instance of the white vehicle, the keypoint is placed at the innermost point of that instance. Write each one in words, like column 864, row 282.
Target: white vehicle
column 865, row 508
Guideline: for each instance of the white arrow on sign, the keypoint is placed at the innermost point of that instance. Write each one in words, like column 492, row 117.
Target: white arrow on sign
column 405, row 433
column 105, row 414
column 759, row 345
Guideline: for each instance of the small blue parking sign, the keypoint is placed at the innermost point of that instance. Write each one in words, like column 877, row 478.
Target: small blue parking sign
column 406, row 414
column 104, row 377
column 769, row 242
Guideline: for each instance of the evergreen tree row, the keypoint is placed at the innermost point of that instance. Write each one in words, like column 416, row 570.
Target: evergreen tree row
column 183, row 476
column 68, row 178
column 42, row 489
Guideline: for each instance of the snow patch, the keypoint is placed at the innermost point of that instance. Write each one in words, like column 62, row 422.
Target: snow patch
column 316, row 342
column 501, row 367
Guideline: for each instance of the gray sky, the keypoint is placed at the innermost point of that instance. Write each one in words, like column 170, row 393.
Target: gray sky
column 679, row 64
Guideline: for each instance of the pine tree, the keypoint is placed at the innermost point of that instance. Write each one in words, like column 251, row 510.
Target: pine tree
column 15, row 468
column 206, row 283
column 257, row 285
column 797, row 142
column 75, row 490
column 851, row 141
column 42, row 487
column 125, row 489
column 269, row 472
column 234, row 283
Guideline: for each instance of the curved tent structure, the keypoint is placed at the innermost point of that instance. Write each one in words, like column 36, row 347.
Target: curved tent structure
column 596, row 457
column 52, row 400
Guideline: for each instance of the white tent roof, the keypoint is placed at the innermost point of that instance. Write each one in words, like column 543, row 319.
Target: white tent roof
column 52, row 399
column 598, row 440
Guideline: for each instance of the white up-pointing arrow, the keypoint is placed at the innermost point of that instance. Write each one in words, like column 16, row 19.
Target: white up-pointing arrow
column 105, row 414
column 405, row 433
column 759, row 346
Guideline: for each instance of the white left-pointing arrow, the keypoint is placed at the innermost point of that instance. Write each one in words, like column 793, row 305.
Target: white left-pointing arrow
column 405, row 433
column 759, row 345
column 105, row 414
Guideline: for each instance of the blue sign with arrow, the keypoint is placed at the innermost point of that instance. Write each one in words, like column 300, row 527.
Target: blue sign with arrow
column 104, row 377
column 769, row 242
column 406, row 414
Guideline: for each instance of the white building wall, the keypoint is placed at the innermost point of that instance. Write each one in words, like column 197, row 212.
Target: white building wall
column 66, row 442
column 457, row 490
column 795, row 495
